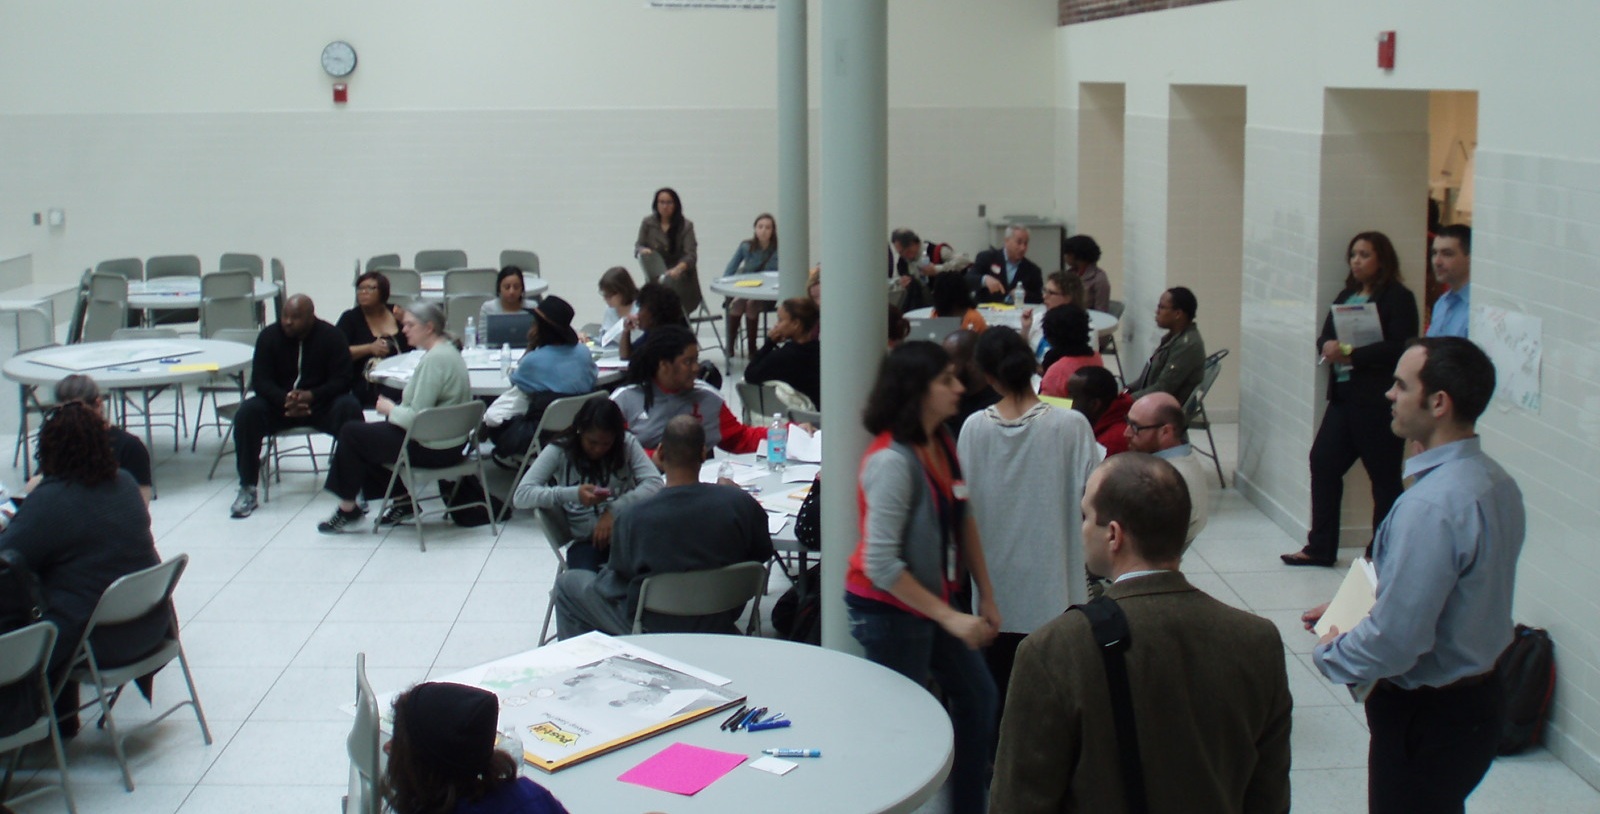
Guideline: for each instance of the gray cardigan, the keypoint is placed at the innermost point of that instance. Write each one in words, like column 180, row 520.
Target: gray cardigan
column 903, row 531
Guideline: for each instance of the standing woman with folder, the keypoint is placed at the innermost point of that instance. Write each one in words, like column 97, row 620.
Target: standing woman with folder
column 1356, row 424
column 908, row 589
column 666, row 232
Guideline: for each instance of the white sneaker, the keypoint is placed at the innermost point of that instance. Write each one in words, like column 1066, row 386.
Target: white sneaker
column 245, row 503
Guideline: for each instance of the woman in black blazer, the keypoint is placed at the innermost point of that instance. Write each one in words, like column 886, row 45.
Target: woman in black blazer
column 1356, row 424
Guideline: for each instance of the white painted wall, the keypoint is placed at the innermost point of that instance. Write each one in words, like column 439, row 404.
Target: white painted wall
column 192, row 127
column 1536, row 247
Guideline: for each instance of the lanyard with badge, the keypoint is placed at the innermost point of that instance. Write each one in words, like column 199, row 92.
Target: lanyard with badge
column 951, row 508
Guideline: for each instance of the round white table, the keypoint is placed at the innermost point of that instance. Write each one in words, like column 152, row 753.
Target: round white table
column 1100, row 322
column 767, row 291
column 484, row 367
column 433, row 286
column 174, row 293
column 129, row 364
column 886, row 743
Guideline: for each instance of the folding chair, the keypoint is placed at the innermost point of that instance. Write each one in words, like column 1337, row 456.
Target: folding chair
column 129, row 267
column 35, row 329
column 130, row 598
column 440, row 260
column 379, row 262
column 433, row 425
column 220, row 384
column 460, row 308
column 24, row 659
column 557, row 417
column 525, row 260
column 105, row 307
column 1108, row 343
column 405, row 285
column 172, row 265
column 470, row 282
column 703, row 593
column 703, row 316
column 245, row 262
column 227, row 300
column 363, row 747
column 759, row 401
column 180, row 409
column 558, row 535
column 278, row 279
column 1195, row 410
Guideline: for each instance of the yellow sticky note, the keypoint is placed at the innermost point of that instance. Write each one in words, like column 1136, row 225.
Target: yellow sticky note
column 195, row 367
column 1057, row 401
column 747, row 284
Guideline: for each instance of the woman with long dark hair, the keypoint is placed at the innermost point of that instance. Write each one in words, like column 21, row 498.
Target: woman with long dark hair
column 443, row 760
column 792, row 354
column 508, row 296
column 83, row 526
column 1066, row 331
column 908, row 580
column 593, row 470
column 758, row 254
column 1356, row 423
column 952, row 298
column 666, row 232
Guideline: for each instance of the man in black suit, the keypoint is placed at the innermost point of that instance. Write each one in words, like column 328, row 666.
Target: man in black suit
column 997, row 271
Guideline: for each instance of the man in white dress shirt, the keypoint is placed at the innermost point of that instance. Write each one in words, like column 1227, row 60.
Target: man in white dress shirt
column 1157, row 425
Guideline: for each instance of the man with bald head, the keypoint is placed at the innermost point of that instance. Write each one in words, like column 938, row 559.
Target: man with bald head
column 1157, row 425
column 301, row 378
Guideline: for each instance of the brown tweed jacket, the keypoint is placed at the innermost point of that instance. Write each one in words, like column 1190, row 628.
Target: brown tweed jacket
column 1211, row 704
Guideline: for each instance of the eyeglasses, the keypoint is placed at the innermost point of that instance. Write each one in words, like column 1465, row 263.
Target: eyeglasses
column 1137, row 428
column 1051, row 292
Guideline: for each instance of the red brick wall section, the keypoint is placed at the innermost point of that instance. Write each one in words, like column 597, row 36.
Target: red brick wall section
column 1083, row 11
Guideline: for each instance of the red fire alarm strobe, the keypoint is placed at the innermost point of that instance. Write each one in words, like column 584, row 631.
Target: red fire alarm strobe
column 1386, row 50
column 341, row 93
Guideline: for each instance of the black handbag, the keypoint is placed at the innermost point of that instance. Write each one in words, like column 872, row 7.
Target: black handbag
column 21, row 597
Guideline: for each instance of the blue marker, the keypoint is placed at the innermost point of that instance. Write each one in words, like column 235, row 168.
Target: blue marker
column 792, row 752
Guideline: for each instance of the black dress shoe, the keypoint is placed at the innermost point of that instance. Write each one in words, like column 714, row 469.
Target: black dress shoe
column 1302, row 558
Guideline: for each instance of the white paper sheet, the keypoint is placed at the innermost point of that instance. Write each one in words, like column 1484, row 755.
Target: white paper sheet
column 801, row 473
column 614, row 333
column 804, row 446
column 776, row 522
column 1357, row 325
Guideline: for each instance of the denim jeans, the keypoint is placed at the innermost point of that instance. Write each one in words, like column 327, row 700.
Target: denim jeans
column 917, row 648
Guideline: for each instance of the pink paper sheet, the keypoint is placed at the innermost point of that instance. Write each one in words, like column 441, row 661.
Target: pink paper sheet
column 682, row 769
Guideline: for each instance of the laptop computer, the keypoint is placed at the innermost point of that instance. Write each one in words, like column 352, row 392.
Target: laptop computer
column 507, row 329
column 933, row 329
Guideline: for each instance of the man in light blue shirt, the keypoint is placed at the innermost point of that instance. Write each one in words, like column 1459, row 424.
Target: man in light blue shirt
column 1446, row 559
column 1452, row 266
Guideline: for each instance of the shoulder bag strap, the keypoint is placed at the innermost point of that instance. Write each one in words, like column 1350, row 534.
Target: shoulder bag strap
column 1111, row 633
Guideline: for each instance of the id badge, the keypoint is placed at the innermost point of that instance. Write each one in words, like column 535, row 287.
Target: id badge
column 951, row 572
column 959, row 491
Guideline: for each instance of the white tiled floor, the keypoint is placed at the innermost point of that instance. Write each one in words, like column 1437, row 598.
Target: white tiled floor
column 274, row 613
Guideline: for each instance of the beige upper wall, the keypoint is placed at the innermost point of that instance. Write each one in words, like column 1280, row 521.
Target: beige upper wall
column 1286, row 51
column 87, row 56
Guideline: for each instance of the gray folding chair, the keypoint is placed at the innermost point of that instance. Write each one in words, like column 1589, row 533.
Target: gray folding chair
column 130, row 598
column 383, row 261
column 80, row 308
column 242, row 262
column 525, row 260
column 433, row 425
column 1108, row 343
column 35, row 329
column 172, row 265
column 405, row 285
column 129, row 267
column 366, row 766
column 460, row 308
column 557, row 417
column 1195, row 411
column 106, row 308
column 440, row 260
column 474, row 282
column 220, row 385
column 227, row 300
column 703, row 593
column 179, row 411
column 759, row 401
column 558, row 535
column 812, row 417
column 283, row 290
column 703, row 316
column 24, row 659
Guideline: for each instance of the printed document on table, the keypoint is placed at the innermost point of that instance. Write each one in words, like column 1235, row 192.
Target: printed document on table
column 804, row 446
column 1357, row 325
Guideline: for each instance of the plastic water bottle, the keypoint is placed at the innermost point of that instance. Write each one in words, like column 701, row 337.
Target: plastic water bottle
column 725, row 470
column 505, row 358
column 507, row 740
column 1018, row 296
column 778, row 443
column 471, row 337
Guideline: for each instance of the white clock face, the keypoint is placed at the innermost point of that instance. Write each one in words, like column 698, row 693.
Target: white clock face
column 339, row 58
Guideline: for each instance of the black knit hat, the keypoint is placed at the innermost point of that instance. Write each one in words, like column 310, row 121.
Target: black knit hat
column 452, row 726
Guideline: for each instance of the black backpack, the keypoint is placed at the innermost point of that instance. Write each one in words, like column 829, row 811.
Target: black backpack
column 1527, row 671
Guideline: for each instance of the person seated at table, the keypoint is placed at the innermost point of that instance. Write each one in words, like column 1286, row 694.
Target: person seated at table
column 996, row 273
column 372, row 329
column 586, row 477
column 554, row 366
column 1060, row 288
column 913, row 264
column 442, row 758
column 663, row 383
column 620, row 296
column 508, row 299
column 365, row 450
column 301, row 378
column 1179, row 362
column 976, row 392
column 1066, row 328
column 1093, row 391
column 84, row 525
column 666, row 232
column 1081, row 254
column 658, row 305
column 952, row 299
column 758, row 254
column 131, row 454
column 687, row 526
column 792, row 354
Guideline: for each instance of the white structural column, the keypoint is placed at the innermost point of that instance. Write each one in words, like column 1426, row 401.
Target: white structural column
column 855, row 222
column 794, row 160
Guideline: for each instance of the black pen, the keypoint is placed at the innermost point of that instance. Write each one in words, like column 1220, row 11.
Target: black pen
column 734, row 717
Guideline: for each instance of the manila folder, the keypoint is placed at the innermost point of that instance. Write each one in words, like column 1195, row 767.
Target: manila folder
column 1353, row 601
